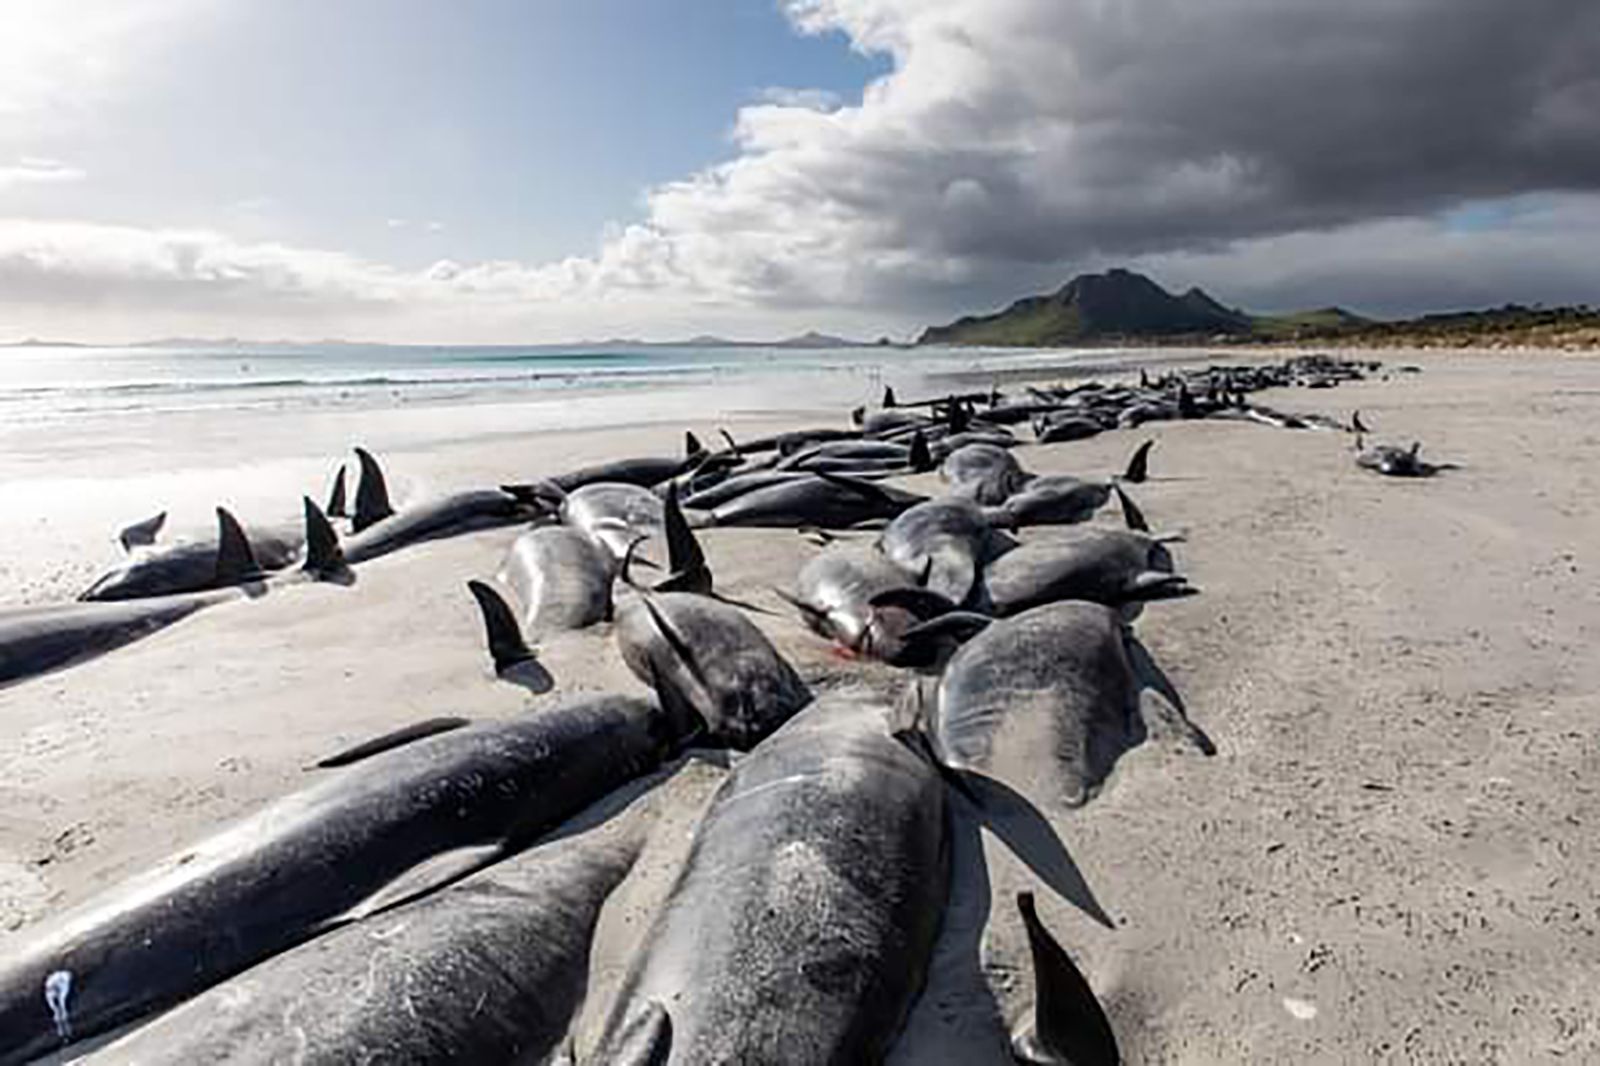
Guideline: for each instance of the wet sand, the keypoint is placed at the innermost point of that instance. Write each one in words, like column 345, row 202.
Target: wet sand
column 1392, row 857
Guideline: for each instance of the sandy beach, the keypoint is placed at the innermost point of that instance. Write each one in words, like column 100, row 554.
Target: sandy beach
column 1392, row 856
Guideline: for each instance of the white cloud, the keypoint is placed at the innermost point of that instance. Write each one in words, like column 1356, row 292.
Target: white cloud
column 58, row 56
column 807, row 99
column 31, row 170
column 1269, row 149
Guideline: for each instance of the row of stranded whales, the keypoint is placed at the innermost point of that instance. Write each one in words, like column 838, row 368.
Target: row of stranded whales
column 499, row 960
column 36, row 640
column 429, row 898
column 389, row 828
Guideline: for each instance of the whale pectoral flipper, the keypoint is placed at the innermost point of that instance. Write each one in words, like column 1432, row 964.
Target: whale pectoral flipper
column 427, row 876
column 1132, row 517
column 141, row 534
column 432, row 727
column 236, row 562
column 1069, row 1026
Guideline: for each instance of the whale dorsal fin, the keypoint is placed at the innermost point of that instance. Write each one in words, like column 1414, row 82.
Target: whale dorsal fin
column 692, row 448
column 686, row 562
column 920, row 458
column 1139, row 466
column 324, row 557
column 372, row 493
column 889, row 397
column 506, row 646
column 431, row 727
column 1068, row 1022
column 337, row 505
column 236, row 562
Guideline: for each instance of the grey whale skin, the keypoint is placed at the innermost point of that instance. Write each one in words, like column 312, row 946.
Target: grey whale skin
column 192, row 567
column 801, row 926
column 561, row 577
column 36, row 640
column 716, row 658
column 460, row 512
column 490, row 969
column 435, row 809
column 1045, row 701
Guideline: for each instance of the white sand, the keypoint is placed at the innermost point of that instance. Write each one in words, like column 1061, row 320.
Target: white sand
column 1393, row 856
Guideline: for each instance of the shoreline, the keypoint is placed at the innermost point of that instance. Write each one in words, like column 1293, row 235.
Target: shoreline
column 1396, row 831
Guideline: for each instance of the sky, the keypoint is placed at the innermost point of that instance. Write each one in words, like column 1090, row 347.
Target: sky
column 518, row 171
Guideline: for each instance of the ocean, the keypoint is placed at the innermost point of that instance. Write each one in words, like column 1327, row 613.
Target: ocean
column 41, row 385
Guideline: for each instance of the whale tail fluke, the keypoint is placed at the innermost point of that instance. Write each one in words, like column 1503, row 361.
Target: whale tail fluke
column 506, row 646
column 372, row 493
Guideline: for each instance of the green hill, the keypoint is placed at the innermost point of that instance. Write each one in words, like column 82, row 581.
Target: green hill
column 1116, row 305
column 1323, row 322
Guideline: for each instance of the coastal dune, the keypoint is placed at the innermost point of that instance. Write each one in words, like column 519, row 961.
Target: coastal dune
column 1392, row 855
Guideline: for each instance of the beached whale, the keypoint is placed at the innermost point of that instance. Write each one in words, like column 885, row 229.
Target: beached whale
column 716, row 658
column 943, row 544
column 35, row 640
column 801, row 927
column 614, row 515
column 380, row 529
column 834, row 595
column 561, row 578
column 983, row 473
column 391, row 827
column 1393, row 461
column 1045, row 701
column 1113, row 567
column 824, row 499
column 192, row 566
column 490, row 969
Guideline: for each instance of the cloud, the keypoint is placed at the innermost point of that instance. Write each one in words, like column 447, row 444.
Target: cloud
column 1015, row 137
column 57, row 59
column 1388, row 154
column 806, row 99
column 35, row 171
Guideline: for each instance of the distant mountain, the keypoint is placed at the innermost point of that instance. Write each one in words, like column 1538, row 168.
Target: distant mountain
column 811, row 339
column 1116, row 305
column 34, row 342
column 814, row 339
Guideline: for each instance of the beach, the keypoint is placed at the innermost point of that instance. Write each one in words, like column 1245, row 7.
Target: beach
column 1391, row 857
